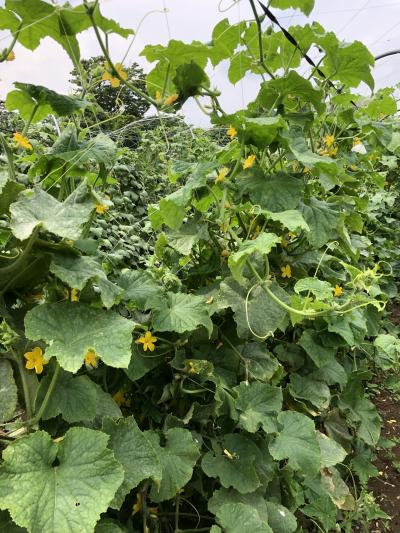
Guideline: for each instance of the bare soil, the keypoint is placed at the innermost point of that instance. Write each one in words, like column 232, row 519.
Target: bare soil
column 386, row 487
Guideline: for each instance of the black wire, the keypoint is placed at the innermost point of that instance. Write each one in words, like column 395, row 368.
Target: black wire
column 387, row 54
column 293, row 41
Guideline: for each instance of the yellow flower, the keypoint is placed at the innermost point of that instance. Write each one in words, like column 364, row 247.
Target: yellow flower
column 332, row 151
column 171, row 99
column 222, row 174
column 74, row 296
column 356, row 141
column 35, row 360
column 249, row 161
column 329, row 140
column 22, row 141
column 337, row 291
column 158, row 97
column 231, row 132
column 257, row 231
column 10, row 56
column 109, row 74
column 120, row 399
column 148, row 341
column 91, row 358
column 286, row 271
column 138, row 506
column 101, row 209
column 229, row 455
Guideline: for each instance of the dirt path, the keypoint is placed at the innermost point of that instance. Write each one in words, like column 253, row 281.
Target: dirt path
column 386, row 487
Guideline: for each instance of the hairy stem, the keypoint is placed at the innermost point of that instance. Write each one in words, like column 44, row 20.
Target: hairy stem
column 47, row 397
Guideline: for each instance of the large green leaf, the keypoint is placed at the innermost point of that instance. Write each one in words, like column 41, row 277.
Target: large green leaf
column 169, row 58
column 254, row 499
column 180, row 313
column 9, row 191
column 241, row 518
column 263, row 244
column 322, row 290
column 260, row 313
column 100, row 149
column 136, row 454
column 76, row 271
column 260, row 362
column 240, row 63
column 332, row 452
column 260, row 131
column 324, row 510
column 280, row 518
column 106, row 406
column 73, row 397
column 322, row 220
column 325, row 167
column 275, row 193
column 8, row 20
column 139, row 288
column 225, row 38
column 188, row 80
column 333, row 484
column 360, row 411
column 352, row 327
column 36, row 208
column 276, row 91
column 177, row 457
column 142, row 362
column 8, row 391
column 388, row 348
column 306, row 6
column 41, row 19
column 234, row 465
column 292, row 220
column 71, row 329
column 171, row 209
column 256, row 402
column 187, row 236
column 349, row 63
column 59, row 487
column 305, row 388
column 320, row 355
column 28, row 97
column 297, row 442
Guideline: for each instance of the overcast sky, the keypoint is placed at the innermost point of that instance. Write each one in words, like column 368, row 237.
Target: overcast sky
column 374, row 22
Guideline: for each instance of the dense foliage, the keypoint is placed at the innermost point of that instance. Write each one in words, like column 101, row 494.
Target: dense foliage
column 187, row 328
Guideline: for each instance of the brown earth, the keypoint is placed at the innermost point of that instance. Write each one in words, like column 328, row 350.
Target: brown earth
column 386, row 487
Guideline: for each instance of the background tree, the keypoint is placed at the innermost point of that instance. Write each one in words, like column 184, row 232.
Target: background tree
column 114, row 107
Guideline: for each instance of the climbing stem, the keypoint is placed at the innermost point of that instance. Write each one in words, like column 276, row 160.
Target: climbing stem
column 31, row 117
column 47, row 397
column 4, row 55
column 17, row 263
column 260, row 40
column 25, row 387
column 134, row 89
column 9, row 156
